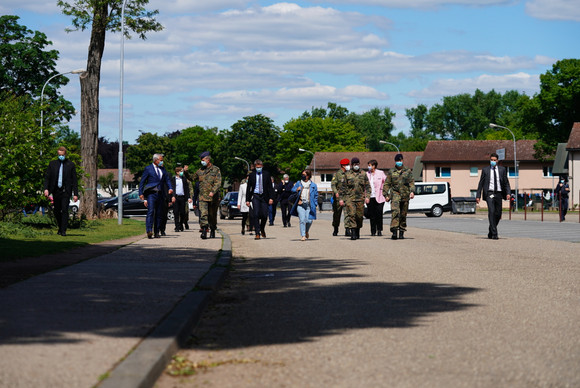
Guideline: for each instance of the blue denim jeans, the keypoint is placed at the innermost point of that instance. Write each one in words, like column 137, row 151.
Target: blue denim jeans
column 304, row 221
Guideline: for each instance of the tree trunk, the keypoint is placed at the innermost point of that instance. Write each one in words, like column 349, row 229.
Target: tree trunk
column 90, row 111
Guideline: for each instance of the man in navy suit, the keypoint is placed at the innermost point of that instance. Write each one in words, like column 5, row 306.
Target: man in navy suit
column 495, row 186
column 60, row 179
column 151, row 190
column 260, row 194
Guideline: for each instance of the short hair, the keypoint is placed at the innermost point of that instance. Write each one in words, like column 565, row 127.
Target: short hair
column 493, row 154
column 258, row 161
column 373, row 163
column 178, row 169
column 157, row 156
column 62, row 148
column 308, row 173
column 286, row 176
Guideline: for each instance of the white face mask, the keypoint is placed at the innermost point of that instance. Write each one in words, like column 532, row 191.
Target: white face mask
column 356, row 167
column 347, row 168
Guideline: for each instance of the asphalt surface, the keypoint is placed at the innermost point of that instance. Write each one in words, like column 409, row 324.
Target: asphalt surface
column 438, row 309
column 117, row 317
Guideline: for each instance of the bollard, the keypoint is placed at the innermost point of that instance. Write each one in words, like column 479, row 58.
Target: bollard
column 542, row 208
column 525, row 208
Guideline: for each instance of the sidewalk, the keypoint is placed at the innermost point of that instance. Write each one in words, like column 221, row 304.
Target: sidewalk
column 72, row 326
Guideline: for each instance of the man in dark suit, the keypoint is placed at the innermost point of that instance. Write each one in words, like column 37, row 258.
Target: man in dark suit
column 260, row 194
column 152, row 192
column 60, row 179
column 284, row 191
column 181, row 194
column 495, row 186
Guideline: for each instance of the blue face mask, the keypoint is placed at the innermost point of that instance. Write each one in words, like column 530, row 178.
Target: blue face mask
column 61, row 158
column 181, row 173
column 492, row 163
column 562, row 181
column 259, row 170
column 161, row 164
column 399, row 164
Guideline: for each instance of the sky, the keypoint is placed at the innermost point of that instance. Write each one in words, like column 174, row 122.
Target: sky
column 219, row 61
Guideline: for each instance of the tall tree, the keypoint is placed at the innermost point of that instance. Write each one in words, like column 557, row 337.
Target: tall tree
column 375, row 125
column 141, row 154
column 192, row 141
column 102, row 16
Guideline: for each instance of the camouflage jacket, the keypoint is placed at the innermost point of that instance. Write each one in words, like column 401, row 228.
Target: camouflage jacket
column 357, row 185
column 210, row 181
column 338, row 184
column 399, row 182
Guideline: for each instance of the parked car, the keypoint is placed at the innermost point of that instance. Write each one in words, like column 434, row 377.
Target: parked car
column 132, row 205
column 431, row 198
column 229, row 206
column 73, row 206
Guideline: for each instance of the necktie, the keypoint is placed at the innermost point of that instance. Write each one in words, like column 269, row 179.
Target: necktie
column 259, row 183
column 158, row 172
column 494, row 179
column 60, row 176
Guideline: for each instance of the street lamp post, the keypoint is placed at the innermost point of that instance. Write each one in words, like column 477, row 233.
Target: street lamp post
column 495, row 126
column 78, row 71
column 243, row 160
column 121, row 82
column 386, row 142
column 313, row 158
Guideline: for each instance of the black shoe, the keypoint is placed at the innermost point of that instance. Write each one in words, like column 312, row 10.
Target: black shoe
column 401, row 235
column 263, row 234
column 271, row 224
column 335, row 233
column 149, row 234
column 357, row 233
column 380, row 233
column 212, row 233
column 394, row 236
column 186, row 226
column 285, row 226
column 157, row 235
column 347, row 232
column 373, row 234
column 495, row 238
column 177, row 230
column 489, row 235
column 203, row 233
column 352, row 234
column 163, row 234
column 289, row 225
column 63, row 234
column 243, row 231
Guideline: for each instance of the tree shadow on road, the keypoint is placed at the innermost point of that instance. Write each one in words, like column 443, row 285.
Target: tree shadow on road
column 291, row 300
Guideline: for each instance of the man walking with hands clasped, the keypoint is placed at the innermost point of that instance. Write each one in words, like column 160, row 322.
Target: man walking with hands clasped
column 259, row 194
column 495, row 186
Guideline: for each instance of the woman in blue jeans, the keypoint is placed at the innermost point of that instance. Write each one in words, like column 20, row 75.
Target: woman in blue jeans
column 305, row 206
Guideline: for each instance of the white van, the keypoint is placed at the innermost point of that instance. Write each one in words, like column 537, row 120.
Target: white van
column 431, row 198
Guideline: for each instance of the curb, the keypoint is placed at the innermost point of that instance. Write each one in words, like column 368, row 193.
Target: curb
column 144, row 364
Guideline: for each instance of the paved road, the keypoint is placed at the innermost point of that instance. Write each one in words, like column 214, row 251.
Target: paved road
column 439, row 309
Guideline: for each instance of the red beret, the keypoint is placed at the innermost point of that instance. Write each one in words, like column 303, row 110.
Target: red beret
column 344, row 161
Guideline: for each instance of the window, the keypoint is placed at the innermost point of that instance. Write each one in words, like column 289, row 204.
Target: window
column 325, row 177
column 442, row 172
column 473, row 193
column 429, row 189
column 548, row 172
column 473, row 171
column 511, row 172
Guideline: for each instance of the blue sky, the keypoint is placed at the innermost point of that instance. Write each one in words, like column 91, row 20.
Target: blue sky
column 217, row 62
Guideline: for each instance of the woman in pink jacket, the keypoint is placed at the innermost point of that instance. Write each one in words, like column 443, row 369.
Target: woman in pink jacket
column 375, row 206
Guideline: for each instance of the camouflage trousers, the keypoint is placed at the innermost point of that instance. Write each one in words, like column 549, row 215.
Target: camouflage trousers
column 208, row 214
column 354, row 213
column 399, row 210
column 336, row 213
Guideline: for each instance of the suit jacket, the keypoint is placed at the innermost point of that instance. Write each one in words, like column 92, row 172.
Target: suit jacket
column 267, row 190
column 150, row 178
column 484, row 182
column 186, row 191
column 69, row 177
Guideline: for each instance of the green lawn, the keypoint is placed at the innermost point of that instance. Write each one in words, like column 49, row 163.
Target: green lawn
column 36, row 238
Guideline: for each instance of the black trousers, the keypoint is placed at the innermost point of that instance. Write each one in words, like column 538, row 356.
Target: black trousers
column 336, row 212
column 179, row 211
column 61, row 200
column 285, row 209
column 260, row 213
column 493, row 213
column 375, row 210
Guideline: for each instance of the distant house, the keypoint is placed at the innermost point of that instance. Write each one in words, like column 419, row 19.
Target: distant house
column 327, row 163
column 128, row 180
column 459, row 162
column 573, row 149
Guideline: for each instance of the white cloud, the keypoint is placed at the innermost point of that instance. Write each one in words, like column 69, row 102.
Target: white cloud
column 523, row 82
column 554, row 9
column 421, row 4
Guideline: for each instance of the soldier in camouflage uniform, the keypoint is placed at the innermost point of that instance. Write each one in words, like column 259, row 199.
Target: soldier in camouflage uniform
column 339, row 191
column 399, row 187
column 358, row 192
column 210, row 181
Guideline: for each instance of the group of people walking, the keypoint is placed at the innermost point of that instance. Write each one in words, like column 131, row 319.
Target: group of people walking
column 352, row 189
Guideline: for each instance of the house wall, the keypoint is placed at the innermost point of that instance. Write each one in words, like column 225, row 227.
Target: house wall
column 574, row 180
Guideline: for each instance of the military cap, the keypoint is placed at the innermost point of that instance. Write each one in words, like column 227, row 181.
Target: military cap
column 355, row 160
column 204, row 154
column 344, row 162
column 398, row 157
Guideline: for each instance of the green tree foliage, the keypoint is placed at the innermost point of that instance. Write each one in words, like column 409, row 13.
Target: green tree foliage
column 109, row 184
column 26, row 65
column 375, row 125
column 141, row 154
column 314, row 134
column 253, row 137
column 192, row 141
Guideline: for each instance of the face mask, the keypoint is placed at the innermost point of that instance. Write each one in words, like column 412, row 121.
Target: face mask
column 304, row 178
column 203, row 163
column 399, row 164
column 356, row 167
column 562, row 181
column 492, row 163
column 61, row 158
column 161, row 164
column 181, row 173
column 286, row 181
column 259, row 170
column 371, row 168
column 347, row 168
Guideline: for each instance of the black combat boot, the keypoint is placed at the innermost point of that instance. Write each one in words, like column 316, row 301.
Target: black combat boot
column 347, row 232
column 353, row 233
column 394, row 236
column 335, row 233
column 357, row 233
column 212, row 233
column 401, row 235
column 204, row 233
